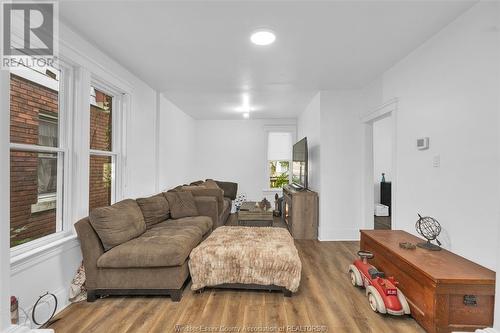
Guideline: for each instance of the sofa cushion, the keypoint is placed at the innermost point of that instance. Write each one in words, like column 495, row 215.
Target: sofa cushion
column 207, row 192
column 181, row 204
column 117, row 223
column 209, row 183
column 230, row 189
column 203, row 223
column 164, row 245
column 192, row 187
column 155, row 209
column 226, row 211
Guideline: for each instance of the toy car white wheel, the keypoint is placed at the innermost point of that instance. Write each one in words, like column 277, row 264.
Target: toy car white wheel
column 355, row 276
column 403, row 302
column 375, row 300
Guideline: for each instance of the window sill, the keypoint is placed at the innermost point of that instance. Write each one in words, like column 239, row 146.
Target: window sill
column 45, row 202
column 277, row 190
column 21, row 260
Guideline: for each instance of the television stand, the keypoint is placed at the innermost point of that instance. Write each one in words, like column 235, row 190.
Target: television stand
column 297, row 187
column 300, row 212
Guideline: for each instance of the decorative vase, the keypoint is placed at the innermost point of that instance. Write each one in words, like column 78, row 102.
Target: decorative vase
column 14, row 310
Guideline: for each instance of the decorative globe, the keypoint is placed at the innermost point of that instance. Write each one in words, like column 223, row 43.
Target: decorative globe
column 429, row 228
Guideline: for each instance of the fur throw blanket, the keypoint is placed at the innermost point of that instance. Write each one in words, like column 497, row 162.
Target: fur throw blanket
column 247, row 255
column 77, row 291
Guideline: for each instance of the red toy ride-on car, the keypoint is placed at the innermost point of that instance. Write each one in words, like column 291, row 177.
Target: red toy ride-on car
column 383, row 294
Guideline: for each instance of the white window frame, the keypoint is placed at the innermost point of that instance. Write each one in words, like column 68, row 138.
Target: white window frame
column 292, row 129
column 117, row 128
column 65, row 114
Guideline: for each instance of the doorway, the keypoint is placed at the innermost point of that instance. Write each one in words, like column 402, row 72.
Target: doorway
column 379, row 168
column 382, row 172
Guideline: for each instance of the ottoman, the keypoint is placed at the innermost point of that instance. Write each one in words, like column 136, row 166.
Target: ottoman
column 246, row 257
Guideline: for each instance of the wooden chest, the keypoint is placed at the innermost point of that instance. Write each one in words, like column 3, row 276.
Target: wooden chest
column 446, row 292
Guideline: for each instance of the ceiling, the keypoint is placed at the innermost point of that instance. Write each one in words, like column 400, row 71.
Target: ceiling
column 200, row 56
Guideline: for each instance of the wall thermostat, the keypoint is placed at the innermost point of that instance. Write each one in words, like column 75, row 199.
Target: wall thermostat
column 423, row 143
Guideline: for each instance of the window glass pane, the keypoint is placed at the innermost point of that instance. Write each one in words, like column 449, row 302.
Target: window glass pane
column 100, row 120
column 278, row 173
column 100, row 181
column 34, row 107
column 33, row 195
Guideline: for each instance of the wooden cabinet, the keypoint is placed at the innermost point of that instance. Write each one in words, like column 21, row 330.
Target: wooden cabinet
column 300, row 212
column 446, row 292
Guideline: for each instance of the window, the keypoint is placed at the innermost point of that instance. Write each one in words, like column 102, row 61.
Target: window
column 47, row 163
column 36, row 156
column 279, row 154
column 102, row 156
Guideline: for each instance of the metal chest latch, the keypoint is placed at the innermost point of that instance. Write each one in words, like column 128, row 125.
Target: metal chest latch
column 470, row 300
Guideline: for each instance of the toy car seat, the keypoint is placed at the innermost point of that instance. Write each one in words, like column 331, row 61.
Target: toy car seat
column 375, row 273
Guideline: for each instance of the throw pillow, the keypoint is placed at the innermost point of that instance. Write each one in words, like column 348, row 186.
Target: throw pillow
column 181, row 204
column 210, row 183
column 192, row 187
column 117, row 223
column 155, row 209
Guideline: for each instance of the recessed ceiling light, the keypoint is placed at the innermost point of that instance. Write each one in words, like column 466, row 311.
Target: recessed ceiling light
column 263, row 37
column 246, row 115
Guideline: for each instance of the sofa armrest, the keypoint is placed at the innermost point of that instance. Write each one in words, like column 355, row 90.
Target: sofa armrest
column 217, row 193
column 207, row 206
column 92, row 249
column 230, row 189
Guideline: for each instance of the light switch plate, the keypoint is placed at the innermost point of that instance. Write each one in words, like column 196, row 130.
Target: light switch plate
column 423, row 143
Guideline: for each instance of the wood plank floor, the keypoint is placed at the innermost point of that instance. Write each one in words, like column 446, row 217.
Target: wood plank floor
column 325, row 298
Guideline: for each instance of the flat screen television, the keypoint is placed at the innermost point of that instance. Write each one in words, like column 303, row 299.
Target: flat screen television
column 299, row 164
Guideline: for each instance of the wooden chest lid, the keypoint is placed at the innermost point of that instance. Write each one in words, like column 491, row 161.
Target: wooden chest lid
column 441, row 266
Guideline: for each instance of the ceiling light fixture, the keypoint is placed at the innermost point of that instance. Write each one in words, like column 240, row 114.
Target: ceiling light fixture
column 263, row 37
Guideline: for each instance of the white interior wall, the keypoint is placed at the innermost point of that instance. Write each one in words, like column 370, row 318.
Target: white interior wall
column 308, row 125
column 332, row 125
column 177, row 148
column 234, row 150
column 448, row 90
column 341, row 165
column 382, row 153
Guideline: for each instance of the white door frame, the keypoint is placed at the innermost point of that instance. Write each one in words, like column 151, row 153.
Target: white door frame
column 388, row 109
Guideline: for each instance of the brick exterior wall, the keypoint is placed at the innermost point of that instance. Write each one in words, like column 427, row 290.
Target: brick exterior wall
column 27, row 100
column 100, row 166
column 100, row 182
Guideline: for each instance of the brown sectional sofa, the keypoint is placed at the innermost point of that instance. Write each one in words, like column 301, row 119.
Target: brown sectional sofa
column 225, row 193
column 135, row 247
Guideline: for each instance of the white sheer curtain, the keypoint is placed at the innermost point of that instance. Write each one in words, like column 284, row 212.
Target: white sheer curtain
column 47, row 163
column 279, row 146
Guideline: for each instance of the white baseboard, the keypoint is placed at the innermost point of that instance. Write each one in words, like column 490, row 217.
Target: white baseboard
column 62, row 295
column 22, row 329
column 340, row 235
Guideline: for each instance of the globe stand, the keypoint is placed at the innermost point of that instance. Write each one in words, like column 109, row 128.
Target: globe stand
column 429, row 246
